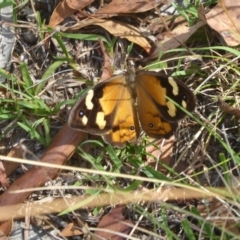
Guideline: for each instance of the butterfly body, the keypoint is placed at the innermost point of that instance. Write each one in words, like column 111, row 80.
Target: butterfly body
column 119, row 107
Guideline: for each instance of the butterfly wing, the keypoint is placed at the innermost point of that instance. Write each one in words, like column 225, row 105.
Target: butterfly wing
column 126, row 126
column 157, row 113
column 151, row 119
column 107, row 110
column 94, row 112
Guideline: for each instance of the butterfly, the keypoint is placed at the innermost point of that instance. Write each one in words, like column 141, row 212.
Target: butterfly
column 120, row 107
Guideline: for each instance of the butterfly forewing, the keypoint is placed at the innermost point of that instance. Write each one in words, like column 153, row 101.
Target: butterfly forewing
column 96, row 110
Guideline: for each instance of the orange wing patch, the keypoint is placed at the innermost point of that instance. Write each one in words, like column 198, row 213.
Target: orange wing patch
column 125, row 126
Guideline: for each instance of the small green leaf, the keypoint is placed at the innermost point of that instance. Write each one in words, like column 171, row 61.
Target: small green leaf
column 27, row 79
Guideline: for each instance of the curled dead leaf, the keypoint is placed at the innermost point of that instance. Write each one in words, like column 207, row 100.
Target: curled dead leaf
column 178, row 36
column 162, row 149
column 226, row 108
column 65, row 8
column 126, row 6
column 116, row 28
column 115, row 223
column 224, row 18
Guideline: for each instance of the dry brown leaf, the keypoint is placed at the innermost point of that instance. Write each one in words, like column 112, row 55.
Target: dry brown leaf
column 220, row 214
column 65, row 8
column 72, row 229
column 115, row 223
column 124, row 30
column 9, row 167
column 3, row 176
column 126, row 6
column 116, row 28
column 226, row 108
column 60, row 13
column 201, row 13
column 162, row 152
column 6, row 229
column 16, row 152
column 224, row 18
column 61, row 148
column 178, row 36
column 106, row 73
column 78, row 4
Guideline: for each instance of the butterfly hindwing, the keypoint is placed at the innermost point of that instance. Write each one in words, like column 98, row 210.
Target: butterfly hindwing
column 126, row 127
column 150, row 117
column 157, row 113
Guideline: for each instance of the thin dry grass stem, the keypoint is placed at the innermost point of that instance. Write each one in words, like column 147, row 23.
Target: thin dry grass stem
column 229, row 188
column 81, row 223
column 64, row 75
column 204, row 189
column 27, row 221
column 162, row 19
column 137, row 223
column 215, row 72
column 190, row 144
column 228, row 144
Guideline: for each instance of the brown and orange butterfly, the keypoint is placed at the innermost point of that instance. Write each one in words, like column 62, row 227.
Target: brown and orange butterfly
column 118, row 108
